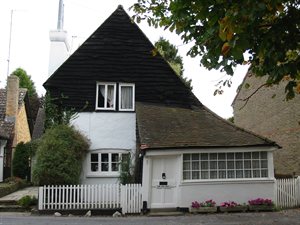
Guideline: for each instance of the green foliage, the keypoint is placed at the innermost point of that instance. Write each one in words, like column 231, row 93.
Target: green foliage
column 10, row 185
column 59, row 156
column 231, row 119
column 21, row 161
column 126, row 176
column 56, row 113
column 222, row 31
column 170, row 53
column 28, row 201
column 25, row 81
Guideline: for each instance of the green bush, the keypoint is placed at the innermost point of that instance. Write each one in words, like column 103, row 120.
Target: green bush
column 11, row 184
column 59, row 156
column 20, row 165
column 27, row 201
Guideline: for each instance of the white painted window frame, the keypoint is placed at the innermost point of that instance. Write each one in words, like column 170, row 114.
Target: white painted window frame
column 229, row 179
column 104, row 173
column 105, row 97
column 133, row 96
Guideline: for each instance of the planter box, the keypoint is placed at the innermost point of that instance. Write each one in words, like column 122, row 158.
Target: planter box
column 258, row 208
column 234, row 209
column 204, row 210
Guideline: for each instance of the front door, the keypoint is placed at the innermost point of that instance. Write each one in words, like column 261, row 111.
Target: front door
column 164, row 182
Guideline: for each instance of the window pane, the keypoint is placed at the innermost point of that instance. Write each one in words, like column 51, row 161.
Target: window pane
column 94, row 167
column 247, row 164
column 255, row 164
column 101, row 94
column 186, row 156
column 239, row 164
column 104, row 157
column 222, row 165
column 230, row 174
column 239, row 174
column 126, row 97
column 239, row 155
column 204, row 175
column 247, row 173
column 222, row 174
column 264, row 164
column 204, row 165
column 264, row 173
column 94, row 157
column 247, row 155
column 256, row 173
column 213, row 165
column 195, row 165
column 255, row 155
column 213, row 174
column 115, row 166
column 221, row 156
column 230, row 165
column 213, row 156
column 204, row 156
column 110, row 96
column 195, row 156
column 195, row 175
column 186, row 166
column 186, row 175
column 104, row 166
column 230, row 155
column 115, row 157
column 263, row 155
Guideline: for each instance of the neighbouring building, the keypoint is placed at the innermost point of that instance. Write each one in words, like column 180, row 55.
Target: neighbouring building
column 15, row 122
column 268, row 113
column 130, row 102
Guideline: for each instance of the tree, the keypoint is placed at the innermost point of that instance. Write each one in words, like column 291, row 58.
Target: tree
column 170, row 53
column 59, row 156
column 223, row 31
column 26, row 82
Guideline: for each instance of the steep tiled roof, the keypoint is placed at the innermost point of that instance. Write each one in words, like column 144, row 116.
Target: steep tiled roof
column 118, row 51
column 173, row 127
column 38, row 129
column 6, row 129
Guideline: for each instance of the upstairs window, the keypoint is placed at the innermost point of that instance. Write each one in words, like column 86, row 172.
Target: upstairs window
column 126, row 97
column 106, row 96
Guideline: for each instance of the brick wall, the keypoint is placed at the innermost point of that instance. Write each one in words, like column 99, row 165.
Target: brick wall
column 268, row 114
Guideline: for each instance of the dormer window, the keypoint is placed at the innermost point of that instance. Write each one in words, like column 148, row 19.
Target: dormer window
column 126, row 97
column 106, row 96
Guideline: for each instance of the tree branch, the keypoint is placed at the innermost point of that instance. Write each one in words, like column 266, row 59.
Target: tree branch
column 253, row 93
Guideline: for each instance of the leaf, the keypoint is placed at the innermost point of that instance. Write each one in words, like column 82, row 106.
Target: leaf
column 225, row 49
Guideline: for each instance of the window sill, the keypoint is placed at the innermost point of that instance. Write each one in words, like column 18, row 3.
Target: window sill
column 228, row 181
column 102, row 175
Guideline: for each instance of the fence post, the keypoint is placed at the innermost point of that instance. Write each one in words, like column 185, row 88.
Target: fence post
column 40, row 196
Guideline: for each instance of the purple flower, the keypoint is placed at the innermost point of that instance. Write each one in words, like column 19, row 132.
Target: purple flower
column 261, row 201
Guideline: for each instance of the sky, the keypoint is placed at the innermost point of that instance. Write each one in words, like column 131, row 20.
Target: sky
column 29, row 49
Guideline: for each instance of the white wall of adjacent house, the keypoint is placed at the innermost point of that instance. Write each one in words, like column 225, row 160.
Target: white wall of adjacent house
column 2, row 145
column 109, row 133
column 164, row 185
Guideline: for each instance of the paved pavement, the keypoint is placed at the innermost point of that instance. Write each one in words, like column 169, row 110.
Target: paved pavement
column 15, row 196
column 288, row 217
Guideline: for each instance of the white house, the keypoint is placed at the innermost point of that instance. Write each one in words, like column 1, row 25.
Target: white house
column 131, row 102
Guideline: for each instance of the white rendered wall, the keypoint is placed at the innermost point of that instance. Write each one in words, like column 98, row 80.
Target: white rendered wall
column 2, row 144
column 107, row 132
column 239, row 191
column 59, row 50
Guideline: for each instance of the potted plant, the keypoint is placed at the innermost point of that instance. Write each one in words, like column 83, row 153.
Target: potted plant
column 232, row 206
column 208, row 206
column 260, row 204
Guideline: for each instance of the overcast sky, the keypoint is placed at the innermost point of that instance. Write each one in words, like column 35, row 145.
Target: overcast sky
column 33, row 19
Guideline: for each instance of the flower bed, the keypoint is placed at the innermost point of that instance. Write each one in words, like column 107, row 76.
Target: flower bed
column 208, row 206
column 261, row 204
column 232, row 206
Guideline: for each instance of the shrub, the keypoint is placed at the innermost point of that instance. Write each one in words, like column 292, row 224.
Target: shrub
column 20, row 165
column 59, row 156
column 27, row 201
column 126, row 175
column 11, row 184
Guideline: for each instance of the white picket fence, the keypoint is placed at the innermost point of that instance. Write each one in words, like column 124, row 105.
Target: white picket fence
column 287, row 192
column 101, row 196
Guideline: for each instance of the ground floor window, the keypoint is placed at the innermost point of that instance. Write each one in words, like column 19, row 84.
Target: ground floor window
column 105, row 163
column 238, row 165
